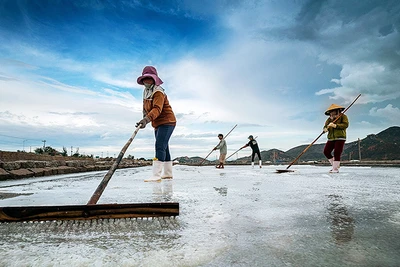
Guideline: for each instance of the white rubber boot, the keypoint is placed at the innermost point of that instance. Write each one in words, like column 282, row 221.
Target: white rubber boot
column 252, row 164
column 260, row 163
column 167, row 170
column 336, row 165
column 157, row 168
column 331, row 160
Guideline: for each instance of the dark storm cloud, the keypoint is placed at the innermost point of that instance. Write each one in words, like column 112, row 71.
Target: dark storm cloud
column 361, row 36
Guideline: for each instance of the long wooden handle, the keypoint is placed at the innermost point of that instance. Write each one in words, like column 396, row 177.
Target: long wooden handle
column 234, row 153
column 99, row 191
column 218, row 143
column 237, row 150
column 304, row 151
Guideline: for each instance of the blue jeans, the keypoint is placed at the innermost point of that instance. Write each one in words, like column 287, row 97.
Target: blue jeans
column 162, row 134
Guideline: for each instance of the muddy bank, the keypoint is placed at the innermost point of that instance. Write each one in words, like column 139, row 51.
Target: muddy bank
column 14, row 166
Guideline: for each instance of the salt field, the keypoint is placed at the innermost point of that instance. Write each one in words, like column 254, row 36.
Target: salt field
column 237, row 216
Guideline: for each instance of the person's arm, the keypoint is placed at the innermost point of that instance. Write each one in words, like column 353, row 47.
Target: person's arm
column 158, row 104
column 218, row 146
column 343, row 124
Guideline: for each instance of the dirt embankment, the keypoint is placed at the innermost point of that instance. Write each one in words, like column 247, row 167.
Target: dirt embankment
column 16, row 165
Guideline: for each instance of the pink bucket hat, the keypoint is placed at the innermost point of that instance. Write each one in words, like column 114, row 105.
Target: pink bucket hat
column 149, row 71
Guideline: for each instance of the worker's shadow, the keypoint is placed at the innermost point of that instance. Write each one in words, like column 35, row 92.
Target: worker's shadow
column 163, row 191
column 342, row 224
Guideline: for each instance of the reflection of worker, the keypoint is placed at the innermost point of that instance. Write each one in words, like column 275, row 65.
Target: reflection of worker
column 223, row 149
column 254, row 147
column 163, row 192
column 336, row 135
column 342, row 224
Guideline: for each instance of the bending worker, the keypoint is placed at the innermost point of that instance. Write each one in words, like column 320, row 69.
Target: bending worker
column 254, row 146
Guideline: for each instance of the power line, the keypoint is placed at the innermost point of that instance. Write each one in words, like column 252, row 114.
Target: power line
column 19, row 137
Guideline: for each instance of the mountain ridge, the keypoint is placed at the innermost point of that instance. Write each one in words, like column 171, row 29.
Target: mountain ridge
column 384, row 145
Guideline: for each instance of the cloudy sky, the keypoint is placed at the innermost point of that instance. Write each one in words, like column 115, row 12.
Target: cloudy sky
column 68, row 71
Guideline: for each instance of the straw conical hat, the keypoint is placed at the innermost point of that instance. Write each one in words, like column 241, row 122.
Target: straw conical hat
column 333, row 107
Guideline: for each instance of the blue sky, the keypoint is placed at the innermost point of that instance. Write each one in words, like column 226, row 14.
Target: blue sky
column 68, row 71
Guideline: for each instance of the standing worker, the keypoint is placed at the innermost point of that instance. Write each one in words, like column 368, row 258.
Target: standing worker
column 223, row 149
column 336, row 135
column 157, row 110
column 254, row 147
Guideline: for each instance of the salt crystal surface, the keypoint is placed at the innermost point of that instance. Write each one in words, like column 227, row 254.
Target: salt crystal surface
column 237, row 216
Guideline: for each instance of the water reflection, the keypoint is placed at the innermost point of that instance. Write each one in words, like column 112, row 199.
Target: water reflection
column 163, row 191
column 223, row 191
column 342, row 224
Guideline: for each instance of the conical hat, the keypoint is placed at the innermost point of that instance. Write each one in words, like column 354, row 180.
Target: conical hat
column 333, row 107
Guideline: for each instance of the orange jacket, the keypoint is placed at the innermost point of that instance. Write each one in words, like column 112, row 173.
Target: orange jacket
column 159, row 110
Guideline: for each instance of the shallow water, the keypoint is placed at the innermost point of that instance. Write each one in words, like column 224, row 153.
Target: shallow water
column 237, row 216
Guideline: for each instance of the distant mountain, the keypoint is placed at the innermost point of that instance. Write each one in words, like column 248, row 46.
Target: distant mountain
column 382, row 146
column 191, row 161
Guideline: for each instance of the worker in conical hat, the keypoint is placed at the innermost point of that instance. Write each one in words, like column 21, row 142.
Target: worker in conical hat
column 336, row 135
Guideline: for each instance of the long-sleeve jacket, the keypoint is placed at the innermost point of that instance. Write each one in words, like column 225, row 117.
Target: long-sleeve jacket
column 157, row 108
column 253, row 144
column 223, row 149
column 338, row 133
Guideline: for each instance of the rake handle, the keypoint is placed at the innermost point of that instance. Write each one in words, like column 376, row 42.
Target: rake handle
column 218, row 143
column 338, row 117
column 237, row 150
column 103, row 184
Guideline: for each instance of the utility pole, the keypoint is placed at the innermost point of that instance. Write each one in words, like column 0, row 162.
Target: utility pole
column 71, row 150
column 23, row 144
column 359, row 149
column 44, row 144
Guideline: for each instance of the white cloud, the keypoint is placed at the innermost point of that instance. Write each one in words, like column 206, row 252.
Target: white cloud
column 388, row 113
column 269, row 85
column 372, row 80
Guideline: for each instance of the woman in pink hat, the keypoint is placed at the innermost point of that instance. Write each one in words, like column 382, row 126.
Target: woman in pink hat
column 157, row 110
column 336, row 135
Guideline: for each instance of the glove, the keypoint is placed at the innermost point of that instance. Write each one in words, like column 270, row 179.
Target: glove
column 325, row 129
column 143, row 122
column 332, row 125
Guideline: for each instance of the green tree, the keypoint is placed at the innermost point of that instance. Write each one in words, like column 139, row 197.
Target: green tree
column 49, row 150
column 65, row 152
column 39, row 150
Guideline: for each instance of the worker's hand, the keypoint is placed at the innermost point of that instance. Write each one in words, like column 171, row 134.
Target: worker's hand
column 143, row 122
column 331, row 125
column 215, row 148
column 325, row 129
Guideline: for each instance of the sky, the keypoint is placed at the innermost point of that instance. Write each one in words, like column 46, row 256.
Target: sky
column 68, row 72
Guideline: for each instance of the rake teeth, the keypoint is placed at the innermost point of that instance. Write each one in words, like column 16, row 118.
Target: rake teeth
column 88, row 212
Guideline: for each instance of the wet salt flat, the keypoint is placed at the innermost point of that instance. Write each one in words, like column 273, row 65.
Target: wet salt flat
column 237, row 216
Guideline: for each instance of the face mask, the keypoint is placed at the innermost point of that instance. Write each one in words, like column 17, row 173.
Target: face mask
column 147, row 85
